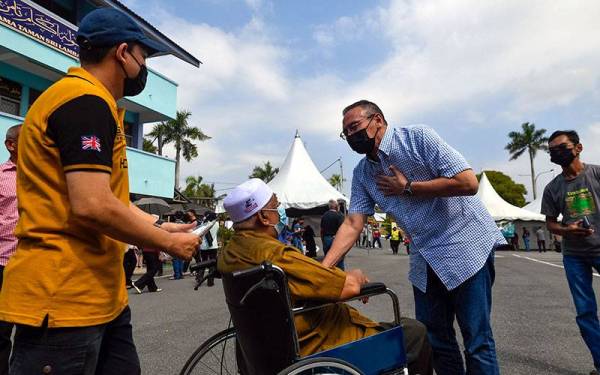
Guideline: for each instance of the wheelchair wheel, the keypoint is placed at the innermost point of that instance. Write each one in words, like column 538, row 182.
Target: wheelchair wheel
column 215, row 356
column 321, row 366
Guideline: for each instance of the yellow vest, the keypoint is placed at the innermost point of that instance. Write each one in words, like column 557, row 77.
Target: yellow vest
column 69, row 273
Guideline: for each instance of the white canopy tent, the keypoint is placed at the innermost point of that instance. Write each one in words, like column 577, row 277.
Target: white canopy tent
column 536, row 206
column 501, row 209
column 299, row 184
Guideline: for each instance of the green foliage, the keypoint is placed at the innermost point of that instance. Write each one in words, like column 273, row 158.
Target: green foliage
column 149, row 146
column 336, row 181
column 509, row 190
column 265, row 173
column 196, row 189
column 530, row 139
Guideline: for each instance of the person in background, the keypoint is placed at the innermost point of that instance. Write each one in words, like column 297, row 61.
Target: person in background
column 395, row 237
column 8, row 220
column 297, row 234
column 209, row 246
column 309, row 240
column 369, row 235
column 364, row 235
column 376, row 236
column 541, row 239
column 191, row 217
column 515, row 241
column 407, row 243
column 129, row 263
column 330, row 223
column 526, row 237
column 152, row 265
column 178, row 262
column 575, row 194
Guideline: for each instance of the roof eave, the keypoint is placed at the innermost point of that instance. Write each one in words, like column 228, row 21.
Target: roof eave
column 153, row 32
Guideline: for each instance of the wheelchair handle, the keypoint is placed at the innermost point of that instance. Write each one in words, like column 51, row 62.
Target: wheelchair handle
column 206, row 264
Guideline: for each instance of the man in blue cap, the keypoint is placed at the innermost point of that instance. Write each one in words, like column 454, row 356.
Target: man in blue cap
column 64, row 288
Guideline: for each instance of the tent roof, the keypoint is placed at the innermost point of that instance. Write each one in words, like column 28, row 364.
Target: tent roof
column 536, row 206
column 299, row 184
column 501, row 209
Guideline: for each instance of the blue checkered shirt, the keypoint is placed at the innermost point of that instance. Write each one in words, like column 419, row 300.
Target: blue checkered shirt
column 453, row 235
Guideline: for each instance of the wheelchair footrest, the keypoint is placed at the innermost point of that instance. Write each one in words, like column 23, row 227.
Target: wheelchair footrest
column 373, row 355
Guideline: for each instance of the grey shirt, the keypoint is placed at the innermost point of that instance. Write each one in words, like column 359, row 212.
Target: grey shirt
column 575, row 199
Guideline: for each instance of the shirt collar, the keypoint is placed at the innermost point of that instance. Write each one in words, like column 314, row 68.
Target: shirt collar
column 84, row 74
column 8, row 166
column 386, row 142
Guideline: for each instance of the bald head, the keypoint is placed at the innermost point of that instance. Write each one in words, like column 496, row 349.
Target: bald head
column 12, row 141
column 333, row 204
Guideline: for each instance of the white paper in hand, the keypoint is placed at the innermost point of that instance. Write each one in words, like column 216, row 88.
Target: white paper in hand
column 203, row 228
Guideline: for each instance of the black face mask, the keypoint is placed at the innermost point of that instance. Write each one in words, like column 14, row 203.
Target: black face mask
column 134, row 86
column 360, row 142
column 563, row 156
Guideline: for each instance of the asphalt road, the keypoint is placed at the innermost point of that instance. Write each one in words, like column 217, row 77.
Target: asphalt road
column 533, row 314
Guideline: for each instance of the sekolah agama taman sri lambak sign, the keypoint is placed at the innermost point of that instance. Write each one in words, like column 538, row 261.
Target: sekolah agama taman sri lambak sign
column 31, row 20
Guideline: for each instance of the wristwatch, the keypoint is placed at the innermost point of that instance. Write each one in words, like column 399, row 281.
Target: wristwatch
column 158, row 223
column 407, row 190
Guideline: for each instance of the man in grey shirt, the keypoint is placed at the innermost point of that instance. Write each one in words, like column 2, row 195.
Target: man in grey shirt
column 575, row 194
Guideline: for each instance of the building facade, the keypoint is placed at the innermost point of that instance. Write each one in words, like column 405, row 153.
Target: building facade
column 37, row 46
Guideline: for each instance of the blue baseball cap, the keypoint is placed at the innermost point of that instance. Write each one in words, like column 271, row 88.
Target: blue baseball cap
column 107, row 27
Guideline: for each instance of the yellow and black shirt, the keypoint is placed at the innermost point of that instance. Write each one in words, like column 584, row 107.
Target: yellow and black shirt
column 61, row 269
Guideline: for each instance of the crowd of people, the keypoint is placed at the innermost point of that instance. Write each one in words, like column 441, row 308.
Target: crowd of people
column 66, row 215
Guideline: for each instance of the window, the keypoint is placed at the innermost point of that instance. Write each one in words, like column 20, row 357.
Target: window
column 33, row 95
column 128, row 133
column 10, row 96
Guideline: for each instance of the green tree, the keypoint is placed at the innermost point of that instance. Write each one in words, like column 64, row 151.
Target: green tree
column 182, row 134
column 149, row 146
column 509, row 190
column 195, row 188
column 265, row 173
column 336, row 181
column 530, row 140
column 159, row 133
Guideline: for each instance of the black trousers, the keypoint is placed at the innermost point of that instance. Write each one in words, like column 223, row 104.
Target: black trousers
column 207, row 255
column 5, row 332
column 152, row 265
column 103, row 349
column 129, row 263
column 394, row 244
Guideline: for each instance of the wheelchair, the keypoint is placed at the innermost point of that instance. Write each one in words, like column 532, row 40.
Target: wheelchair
column 263, row 338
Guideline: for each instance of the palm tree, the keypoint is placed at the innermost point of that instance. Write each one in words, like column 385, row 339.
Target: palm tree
column 530, row 140
column 265, row 173
column 149, row 146
column 336, row 181
column 159, row 133
column 178, row 131
column 192, row 185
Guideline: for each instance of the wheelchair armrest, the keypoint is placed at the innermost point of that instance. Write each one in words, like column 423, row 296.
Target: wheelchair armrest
column 370, row 289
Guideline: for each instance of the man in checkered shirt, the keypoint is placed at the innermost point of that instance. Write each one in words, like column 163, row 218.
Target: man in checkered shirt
column 8, row 221
column 411, row 173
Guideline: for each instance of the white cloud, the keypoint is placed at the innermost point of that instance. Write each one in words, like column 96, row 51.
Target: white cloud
column 519, row 58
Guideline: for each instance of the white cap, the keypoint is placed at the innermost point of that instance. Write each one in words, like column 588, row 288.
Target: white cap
column 247, row 199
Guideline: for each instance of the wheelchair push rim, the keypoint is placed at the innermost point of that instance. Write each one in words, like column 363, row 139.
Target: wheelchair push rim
column 214, row 356
column 321, row 366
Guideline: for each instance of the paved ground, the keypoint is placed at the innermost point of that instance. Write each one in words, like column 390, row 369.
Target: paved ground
column 533, row 316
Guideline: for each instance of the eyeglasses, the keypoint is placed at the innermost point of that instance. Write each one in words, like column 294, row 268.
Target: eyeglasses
column 560, row 147
column 353, row 127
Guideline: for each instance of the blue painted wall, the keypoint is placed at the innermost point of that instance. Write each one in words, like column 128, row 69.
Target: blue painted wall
column 150, row 174
column 160, row 94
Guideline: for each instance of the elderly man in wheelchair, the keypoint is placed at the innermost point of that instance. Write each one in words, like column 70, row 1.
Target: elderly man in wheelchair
column 286, row 307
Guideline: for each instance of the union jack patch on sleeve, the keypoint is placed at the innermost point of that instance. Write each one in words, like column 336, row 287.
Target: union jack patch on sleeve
column 90, row 143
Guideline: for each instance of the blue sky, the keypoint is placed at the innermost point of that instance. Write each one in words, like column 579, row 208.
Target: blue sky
column 472, row 70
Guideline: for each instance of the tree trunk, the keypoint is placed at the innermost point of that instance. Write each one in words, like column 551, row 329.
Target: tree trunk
column 160, row 145
column 177, row 158
column 532, row 174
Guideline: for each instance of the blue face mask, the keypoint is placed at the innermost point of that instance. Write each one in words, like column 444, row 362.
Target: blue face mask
column 282, row 218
